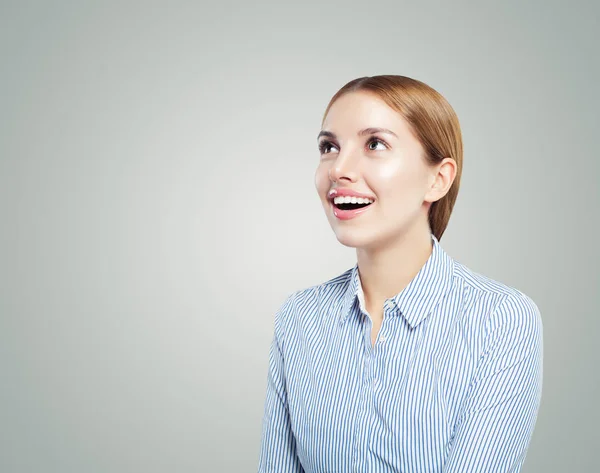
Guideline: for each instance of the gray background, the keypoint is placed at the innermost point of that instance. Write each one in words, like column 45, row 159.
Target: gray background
column 157, row 205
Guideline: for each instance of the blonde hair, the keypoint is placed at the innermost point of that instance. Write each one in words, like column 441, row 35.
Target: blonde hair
column 433, row 121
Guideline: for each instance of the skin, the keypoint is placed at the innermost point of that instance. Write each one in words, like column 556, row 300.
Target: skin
column 392, row 238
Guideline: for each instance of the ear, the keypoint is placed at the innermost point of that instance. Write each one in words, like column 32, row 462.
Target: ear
column 441, row 179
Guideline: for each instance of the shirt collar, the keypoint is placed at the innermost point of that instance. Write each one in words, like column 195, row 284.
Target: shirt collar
column 416, row 301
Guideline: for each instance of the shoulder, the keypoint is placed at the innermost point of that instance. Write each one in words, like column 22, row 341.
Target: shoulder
column 507, row 309
column 482, row 283
column 302, row 303
column 332, row 287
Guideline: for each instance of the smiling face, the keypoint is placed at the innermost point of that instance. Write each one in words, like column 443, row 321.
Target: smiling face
column 387, row 166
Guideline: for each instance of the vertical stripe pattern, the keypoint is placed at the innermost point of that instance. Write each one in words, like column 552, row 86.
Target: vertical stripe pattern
column 452, row 385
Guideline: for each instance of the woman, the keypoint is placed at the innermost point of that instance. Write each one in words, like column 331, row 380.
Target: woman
column 409, row 361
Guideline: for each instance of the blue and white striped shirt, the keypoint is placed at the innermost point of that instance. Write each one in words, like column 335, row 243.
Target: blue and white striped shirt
column 452, row 384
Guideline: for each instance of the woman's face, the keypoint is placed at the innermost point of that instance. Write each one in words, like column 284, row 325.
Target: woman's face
column 388, row 167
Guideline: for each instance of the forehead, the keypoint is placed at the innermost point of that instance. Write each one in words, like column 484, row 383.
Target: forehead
column 362, row 109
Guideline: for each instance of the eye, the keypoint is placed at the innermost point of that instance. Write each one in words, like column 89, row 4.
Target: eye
column 324, row 146
column 376, row 141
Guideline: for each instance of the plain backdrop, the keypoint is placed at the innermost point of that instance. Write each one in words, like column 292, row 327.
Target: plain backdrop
column 158, row 204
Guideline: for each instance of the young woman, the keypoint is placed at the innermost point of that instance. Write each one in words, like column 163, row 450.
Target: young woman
column 409, row 361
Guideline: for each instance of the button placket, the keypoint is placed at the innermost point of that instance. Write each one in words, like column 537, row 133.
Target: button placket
column 363, row 417
column 388, row 310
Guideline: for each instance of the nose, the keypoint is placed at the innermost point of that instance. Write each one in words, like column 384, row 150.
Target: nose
column 344, row 167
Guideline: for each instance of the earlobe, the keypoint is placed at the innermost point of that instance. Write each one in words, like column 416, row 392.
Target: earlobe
column 434, row 194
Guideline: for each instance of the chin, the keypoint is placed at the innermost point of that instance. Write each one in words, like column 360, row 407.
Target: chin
column 353, row 240
column 349, row 243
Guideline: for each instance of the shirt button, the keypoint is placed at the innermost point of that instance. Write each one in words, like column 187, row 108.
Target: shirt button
column 382, row 338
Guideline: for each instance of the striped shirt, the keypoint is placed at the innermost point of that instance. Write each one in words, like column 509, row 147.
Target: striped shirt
column 452, row 384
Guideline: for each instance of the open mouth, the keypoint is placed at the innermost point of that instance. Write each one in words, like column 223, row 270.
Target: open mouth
column 350, row 206
column 347, row 204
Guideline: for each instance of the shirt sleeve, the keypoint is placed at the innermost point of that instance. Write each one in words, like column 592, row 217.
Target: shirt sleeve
column 498, row 417
column 278, row 445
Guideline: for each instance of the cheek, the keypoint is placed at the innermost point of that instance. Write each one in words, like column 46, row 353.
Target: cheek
column 390, row 171
column 395, row 178
column 322, row 178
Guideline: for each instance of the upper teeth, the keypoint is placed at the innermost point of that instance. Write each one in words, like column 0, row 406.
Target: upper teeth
column 351, row 200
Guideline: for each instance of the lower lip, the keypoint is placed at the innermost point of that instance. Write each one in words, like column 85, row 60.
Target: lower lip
column 349, row 214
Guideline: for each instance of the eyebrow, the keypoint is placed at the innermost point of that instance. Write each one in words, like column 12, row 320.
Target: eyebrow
column 366, row 131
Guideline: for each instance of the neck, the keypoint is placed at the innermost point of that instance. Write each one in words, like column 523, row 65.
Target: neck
column 388, row 269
